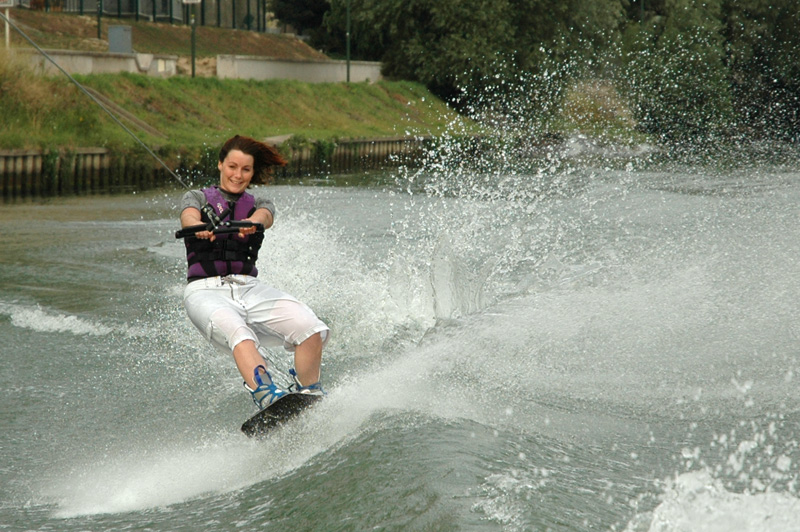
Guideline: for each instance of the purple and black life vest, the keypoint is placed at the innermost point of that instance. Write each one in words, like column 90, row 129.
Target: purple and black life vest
column 229, row 253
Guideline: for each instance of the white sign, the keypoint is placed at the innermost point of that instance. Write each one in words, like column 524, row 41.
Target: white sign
column 7, row 3
column 184, row 1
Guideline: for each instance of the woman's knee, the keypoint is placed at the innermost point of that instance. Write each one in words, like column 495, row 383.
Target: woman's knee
column 228, row 327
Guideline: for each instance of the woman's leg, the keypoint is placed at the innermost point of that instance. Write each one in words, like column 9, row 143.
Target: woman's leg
column 280, row 319
column 308, row 359
column 222, row 321
column 247, row 360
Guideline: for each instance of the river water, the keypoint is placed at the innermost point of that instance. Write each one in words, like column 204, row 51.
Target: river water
column 573, row 347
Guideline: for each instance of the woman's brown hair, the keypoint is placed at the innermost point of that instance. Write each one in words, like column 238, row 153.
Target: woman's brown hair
column 264, row 156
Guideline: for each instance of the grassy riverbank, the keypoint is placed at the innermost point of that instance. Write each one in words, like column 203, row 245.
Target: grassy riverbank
column 183, row 114
column 186, row 112
column 50, row 111
column 53, row 112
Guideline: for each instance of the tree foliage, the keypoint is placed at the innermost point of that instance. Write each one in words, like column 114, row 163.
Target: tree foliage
column 442, row 43
column 763, row 45
column 303, row 15
column 690, row 67
column 675, row 72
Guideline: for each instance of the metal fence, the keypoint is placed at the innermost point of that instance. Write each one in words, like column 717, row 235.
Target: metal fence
column 31, row 174
column 236, row 14
column 26, row 174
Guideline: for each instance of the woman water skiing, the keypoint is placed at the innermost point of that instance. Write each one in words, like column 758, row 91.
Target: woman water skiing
column 224, row 299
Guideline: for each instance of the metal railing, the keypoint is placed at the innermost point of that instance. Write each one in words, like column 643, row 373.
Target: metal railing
column 234, row 14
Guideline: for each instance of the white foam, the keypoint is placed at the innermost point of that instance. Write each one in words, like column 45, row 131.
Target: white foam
column 346, row 291
column 504, row 497
column 37, row 319
column 150, row 479
column 697, row 502
column 146, row 477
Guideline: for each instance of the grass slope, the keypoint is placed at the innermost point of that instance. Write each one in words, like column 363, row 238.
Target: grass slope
column 51, row 112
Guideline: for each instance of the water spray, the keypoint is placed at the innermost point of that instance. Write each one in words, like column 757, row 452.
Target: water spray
column 95, row 100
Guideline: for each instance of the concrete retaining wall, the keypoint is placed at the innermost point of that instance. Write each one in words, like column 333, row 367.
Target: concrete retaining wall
column 102, row 63
column 228, row 66
column 261, row 68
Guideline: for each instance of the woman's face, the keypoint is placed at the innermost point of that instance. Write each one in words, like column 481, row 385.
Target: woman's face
column 235, row 172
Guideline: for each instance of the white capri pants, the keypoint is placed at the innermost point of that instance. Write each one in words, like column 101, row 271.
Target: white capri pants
column 231, row 309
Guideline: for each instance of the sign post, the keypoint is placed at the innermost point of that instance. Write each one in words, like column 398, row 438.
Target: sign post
column 5, row 4
column 192, row 8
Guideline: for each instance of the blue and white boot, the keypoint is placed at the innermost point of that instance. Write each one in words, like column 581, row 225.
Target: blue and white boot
column 266, row 393
column 312, row 389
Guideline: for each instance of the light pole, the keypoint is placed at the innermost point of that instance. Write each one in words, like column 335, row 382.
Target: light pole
column 192, row 21
column 347, row 35
column 6, row 4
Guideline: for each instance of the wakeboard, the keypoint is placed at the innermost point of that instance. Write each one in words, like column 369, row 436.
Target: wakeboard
column 279, row 412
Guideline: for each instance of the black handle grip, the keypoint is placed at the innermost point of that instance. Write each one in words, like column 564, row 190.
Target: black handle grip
column 223, row 228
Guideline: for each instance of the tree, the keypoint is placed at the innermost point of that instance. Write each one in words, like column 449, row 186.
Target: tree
column 453, row 46
column 559, row 41
column 690, row 67
column 763, row 46
column 444, row 44
column 303, row 15
column 565, row 29
column 675, row 72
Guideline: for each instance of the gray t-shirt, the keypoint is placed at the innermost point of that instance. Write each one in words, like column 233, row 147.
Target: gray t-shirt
column 196, row 199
